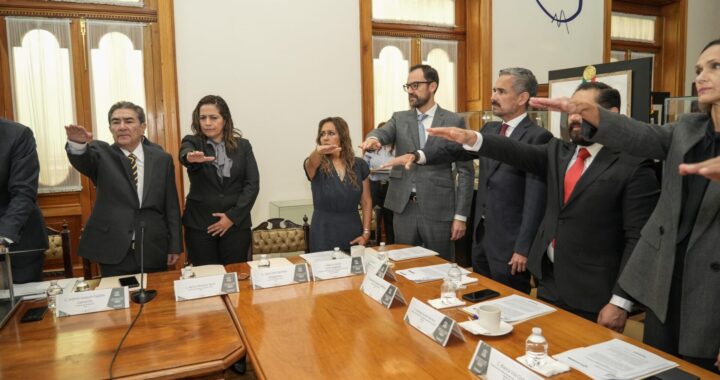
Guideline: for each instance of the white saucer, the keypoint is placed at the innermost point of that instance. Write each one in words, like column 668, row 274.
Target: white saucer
column 474, row 328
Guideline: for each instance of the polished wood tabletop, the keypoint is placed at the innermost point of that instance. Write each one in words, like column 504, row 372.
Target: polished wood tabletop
column 170, row 340
column 331, row 330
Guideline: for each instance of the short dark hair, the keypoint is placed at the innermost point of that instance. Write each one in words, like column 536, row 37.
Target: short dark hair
column 430, row 74
column 607, row 98
column 130, row 106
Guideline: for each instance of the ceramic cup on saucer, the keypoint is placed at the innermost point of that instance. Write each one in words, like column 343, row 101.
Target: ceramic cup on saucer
column 488, row 317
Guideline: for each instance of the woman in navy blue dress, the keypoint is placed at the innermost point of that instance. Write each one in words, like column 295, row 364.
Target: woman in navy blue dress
column 339, row 182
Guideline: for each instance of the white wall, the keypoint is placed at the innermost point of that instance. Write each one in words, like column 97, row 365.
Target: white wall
column 702, row 27
column 524, row 36
column 282, row 66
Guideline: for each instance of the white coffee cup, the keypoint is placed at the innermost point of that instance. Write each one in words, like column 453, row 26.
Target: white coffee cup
column 488, row 317
column 357, row 251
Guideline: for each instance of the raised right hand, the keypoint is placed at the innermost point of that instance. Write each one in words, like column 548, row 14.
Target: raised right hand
column 458, row 135
column 327, row 149
column 198, row 157
column 78, row 134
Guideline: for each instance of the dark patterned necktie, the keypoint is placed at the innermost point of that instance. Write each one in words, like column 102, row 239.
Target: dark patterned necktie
column 133, row 167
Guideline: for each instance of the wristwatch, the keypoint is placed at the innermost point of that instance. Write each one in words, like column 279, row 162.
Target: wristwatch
column 416, row 155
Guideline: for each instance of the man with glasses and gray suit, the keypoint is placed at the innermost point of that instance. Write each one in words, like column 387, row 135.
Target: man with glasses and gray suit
column 430, row 207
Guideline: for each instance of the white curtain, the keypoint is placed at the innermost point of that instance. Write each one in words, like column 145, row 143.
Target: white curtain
column 632, row 27
column 424, row 12
column 116, row 69
column 391, row 62
column 442, row 55
column 43, row 93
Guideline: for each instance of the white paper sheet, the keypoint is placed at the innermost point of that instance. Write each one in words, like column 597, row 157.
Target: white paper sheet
column 615, row 359
column 514, row 308
column 38, row 289
column 433, row 272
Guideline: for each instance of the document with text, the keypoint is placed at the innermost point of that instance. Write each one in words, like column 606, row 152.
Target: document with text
column 514, row 308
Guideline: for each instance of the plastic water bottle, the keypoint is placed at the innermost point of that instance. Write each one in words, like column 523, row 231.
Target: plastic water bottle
column 52, row 292
column 336, row 253
column 448, row 291
column 264, row 262
column 536, row 347
column 382, row 252
column 455, row 275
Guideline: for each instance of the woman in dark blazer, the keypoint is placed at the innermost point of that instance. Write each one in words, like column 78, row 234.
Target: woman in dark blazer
column 224, row 183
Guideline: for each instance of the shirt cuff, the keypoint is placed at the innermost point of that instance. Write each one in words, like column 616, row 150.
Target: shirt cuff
column 6, row 241
column 475, row 147
column 77, row 148
column 460, row 218
column 422, row 160
column 621, row 303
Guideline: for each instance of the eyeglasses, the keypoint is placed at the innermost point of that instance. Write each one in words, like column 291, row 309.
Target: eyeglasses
column 413, row 85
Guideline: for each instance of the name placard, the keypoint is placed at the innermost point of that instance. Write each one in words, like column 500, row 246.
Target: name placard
column 74, row 303
column 434, row 324
column 493, row 364
column 208, row 286
column 327, row 269
column 269, row 277
column 381, row 290
column 380, row 268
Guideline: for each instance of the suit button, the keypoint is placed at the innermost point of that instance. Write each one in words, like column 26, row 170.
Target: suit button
column 715, row 266
column 222, row 196
column 662, row 230
column 561, row 222
column 488, row 187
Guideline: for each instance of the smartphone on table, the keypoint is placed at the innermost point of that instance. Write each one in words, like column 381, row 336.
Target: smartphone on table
column 33, row 315
column 130, row 282
column 480, row 295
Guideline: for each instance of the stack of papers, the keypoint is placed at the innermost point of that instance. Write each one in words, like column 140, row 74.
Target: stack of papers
column 433, row 273
column 514, row 308
column 33, row 290
column 410, row 253
column 615, row 359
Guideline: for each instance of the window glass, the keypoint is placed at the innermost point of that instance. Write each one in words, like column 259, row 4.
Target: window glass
column 424, row 12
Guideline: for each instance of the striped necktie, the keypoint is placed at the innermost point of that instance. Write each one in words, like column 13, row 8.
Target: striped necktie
column 133, row 167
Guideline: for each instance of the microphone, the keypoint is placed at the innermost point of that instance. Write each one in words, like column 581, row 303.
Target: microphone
column 143, row 296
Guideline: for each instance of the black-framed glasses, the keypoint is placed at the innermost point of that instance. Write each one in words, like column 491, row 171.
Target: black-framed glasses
column 414, row 85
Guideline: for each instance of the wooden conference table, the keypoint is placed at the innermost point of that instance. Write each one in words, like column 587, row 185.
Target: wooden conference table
column 331, row 330
column 326, row 329
column 170, row 340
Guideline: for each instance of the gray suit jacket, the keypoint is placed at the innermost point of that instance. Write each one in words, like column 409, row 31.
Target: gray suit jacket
column 648, row 272
column 439, row 197
column 117, row 213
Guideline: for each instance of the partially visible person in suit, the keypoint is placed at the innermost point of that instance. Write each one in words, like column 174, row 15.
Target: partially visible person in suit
column 22, row 227
column 510, row 202
column 379, row 182
column 224, row 183
column 135, row 196
column 598, row 200
column 430, row 208
column 675, row 269
column 339, row 182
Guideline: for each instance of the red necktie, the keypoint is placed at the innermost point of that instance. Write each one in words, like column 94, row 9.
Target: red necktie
column 503, row 128
column 574, row 173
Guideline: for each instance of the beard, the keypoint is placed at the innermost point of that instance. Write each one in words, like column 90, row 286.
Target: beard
column 576, row 135
column 417, row 102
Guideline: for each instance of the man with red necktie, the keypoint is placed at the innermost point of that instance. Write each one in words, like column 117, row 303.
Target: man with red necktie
column 598, row 200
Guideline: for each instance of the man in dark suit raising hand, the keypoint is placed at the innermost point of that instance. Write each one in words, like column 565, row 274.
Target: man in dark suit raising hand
column 136, row 194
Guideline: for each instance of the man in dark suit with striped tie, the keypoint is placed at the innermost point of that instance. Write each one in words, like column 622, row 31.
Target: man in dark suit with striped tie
column 136, row 197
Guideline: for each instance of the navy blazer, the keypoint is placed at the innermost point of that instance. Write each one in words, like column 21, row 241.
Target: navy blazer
column 235, row 196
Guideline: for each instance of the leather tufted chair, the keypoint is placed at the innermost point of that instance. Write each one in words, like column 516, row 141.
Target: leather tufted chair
column 278, row 235
column 59, row 248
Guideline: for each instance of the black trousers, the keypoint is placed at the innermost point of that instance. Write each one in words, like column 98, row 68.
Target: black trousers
column 128, row 266
column 666, row 336
column 26, row 267
column 204, row 249
column 378, row 191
